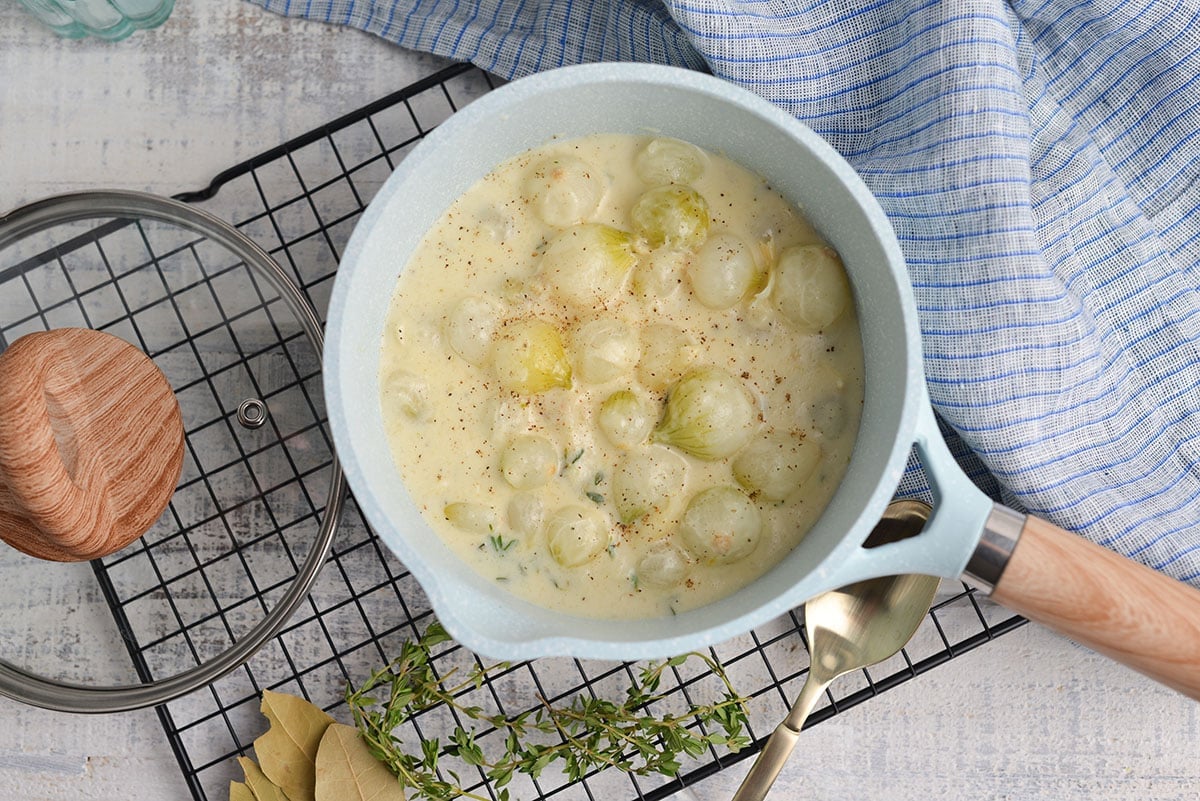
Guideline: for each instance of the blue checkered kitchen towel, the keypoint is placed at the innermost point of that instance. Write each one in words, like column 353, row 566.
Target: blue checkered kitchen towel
column 1040, row 162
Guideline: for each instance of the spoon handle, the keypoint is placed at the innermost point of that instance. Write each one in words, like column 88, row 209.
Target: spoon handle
column 1133, row 614
column 779, row 745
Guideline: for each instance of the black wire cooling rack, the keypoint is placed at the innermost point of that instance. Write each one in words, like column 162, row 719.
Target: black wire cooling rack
column 230, row 547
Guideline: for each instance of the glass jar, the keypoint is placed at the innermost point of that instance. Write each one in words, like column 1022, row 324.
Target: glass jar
column 105, row 19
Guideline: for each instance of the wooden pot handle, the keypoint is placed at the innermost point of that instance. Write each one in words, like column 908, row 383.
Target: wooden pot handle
column 1131, row 613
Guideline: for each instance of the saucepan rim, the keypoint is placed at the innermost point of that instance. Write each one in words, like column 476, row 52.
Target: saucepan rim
column 355, row 329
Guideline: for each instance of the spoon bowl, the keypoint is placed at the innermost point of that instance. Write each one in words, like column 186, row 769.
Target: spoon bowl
column 849, row 629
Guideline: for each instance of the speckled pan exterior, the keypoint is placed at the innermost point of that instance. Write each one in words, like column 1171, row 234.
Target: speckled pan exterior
column 641, row 99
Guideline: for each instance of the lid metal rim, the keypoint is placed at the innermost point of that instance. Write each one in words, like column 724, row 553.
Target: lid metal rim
column 29, row 688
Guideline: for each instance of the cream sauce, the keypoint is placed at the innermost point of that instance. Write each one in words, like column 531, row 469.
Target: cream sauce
column 450, row 413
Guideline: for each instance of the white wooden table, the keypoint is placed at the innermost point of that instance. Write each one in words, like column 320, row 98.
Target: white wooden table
column 1030, row 716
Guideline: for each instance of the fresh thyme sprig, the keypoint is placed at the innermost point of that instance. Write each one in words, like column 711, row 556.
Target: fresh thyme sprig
column 591, row 733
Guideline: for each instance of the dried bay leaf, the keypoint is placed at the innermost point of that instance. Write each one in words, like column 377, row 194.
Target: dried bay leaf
column 240, row 792
column 348, row 771
column 257, row 784
column 288, row 750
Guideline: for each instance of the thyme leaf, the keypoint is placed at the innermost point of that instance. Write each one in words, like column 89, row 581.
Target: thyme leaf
column 570, row 458
column 585, row 735
column 499, row 544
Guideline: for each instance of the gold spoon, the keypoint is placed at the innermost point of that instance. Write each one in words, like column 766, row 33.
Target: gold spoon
column 850, row 629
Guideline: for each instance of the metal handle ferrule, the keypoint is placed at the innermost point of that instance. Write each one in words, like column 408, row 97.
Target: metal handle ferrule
column 1000, row 534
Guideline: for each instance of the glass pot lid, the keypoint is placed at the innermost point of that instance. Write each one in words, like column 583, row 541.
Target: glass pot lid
column 254, row 514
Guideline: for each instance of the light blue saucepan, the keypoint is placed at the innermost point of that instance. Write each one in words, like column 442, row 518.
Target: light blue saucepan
column 635, row 98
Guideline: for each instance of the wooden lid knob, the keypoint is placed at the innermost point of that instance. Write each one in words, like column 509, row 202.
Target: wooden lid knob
column 91, row 444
